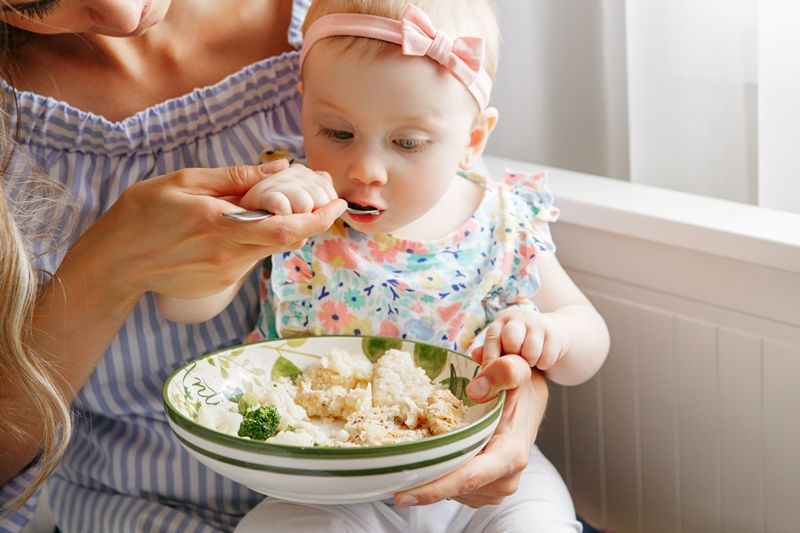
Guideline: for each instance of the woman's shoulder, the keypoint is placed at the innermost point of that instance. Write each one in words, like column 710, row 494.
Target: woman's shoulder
column 265, row 86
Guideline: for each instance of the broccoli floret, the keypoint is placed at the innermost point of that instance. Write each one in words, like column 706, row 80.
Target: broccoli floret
column 260, row 423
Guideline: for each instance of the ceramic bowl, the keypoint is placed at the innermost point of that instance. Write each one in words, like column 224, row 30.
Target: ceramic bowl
column 320, row 474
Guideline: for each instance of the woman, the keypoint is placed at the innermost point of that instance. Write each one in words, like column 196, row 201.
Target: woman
column 106, row 116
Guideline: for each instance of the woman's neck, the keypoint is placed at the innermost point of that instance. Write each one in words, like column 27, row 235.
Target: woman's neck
column 115, row 77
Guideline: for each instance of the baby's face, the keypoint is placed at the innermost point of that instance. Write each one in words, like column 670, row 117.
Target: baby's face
column 391, row 131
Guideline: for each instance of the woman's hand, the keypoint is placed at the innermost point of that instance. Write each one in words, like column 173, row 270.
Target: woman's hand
column 494, row 473
column 168, row 235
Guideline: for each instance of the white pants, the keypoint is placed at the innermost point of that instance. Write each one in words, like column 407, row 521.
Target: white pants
column 541, row 504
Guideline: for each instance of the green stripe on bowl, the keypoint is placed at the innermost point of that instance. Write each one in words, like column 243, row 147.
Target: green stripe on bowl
column 325, row 452
column 330, row 473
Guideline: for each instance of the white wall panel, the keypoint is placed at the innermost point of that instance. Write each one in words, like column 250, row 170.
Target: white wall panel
column 741, row 431
column 697, row 396
column 781, row 436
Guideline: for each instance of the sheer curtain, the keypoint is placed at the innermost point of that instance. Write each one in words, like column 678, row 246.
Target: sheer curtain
column 701, row 96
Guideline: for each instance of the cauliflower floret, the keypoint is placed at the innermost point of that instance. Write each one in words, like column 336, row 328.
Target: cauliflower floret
column 396, row 379
column 282, row 394
column 219, row 419
column 336, row 386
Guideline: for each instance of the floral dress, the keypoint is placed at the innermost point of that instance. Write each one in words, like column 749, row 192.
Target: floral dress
column 442, row 291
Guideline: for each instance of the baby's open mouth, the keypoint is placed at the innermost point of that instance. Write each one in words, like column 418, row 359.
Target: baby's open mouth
column 353, row 207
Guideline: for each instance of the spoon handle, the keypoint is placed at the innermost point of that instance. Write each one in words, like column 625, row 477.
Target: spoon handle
column 248, row 216
column 258, row 214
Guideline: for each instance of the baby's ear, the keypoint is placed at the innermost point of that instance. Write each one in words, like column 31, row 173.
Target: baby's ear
column 478, row 136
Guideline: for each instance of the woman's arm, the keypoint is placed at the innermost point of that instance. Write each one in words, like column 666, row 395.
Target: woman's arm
column 164, row 235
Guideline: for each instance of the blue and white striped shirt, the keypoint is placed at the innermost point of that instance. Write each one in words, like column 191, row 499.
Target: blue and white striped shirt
column 124, row 471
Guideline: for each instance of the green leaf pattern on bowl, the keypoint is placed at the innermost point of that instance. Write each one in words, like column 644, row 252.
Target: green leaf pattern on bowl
column 458, row 385
column 375, row 347
column 430, row 358
column 196, row 391
column 284, row 368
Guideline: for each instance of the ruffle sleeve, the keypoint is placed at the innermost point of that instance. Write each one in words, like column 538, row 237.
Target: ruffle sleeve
column 533, row 204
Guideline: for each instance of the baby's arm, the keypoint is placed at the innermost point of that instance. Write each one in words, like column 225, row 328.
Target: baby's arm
column 295, row 189
column 566, row 338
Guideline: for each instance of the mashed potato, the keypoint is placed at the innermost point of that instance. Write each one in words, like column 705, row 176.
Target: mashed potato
column 345, row 400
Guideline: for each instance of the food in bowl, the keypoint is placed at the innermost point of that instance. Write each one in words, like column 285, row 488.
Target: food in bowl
column 342, row 400
column 302, row 470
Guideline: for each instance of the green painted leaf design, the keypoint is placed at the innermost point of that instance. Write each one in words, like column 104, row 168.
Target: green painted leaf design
column 458, row 386
column 375, row 347
column 236, row 351
column 283, row 367
column 430, row 358
column 294, row 343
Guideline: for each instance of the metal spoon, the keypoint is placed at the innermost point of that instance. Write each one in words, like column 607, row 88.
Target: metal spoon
column 259, row 214
column 247, row 216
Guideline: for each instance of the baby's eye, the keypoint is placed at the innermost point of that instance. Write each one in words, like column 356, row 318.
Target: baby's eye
column 409, row 144
column 339, row 135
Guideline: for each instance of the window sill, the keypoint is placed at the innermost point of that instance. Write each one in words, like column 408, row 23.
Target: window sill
column 748, row 233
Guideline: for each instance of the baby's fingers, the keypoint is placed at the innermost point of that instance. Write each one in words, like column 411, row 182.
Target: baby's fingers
column 513, row 336
column 276, row 202
column 531, row 349
column 492, row 344
column 308, row 198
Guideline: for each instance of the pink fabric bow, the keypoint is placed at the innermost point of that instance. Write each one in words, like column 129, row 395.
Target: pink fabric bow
column 463, row 57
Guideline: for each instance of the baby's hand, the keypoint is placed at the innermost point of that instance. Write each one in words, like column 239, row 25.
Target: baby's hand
column 523, row 331
column 296, row 189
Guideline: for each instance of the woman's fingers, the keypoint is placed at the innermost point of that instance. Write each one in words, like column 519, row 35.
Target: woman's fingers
column 221, row 182
column 177, row 242
column 486, row 479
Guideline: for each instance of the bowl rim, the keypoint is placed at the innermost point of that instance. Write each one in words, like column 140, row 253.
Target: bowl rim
column 322, row 452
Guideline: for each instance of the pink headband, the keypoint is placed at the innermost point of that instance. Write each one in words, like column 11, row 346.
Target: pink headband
column 462, row 57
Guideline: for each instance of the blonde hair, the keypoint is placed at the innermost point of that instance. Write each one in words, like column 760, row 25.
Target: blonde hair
column 22, row 369
column 459, row 18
